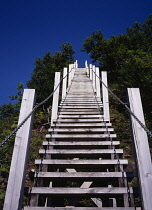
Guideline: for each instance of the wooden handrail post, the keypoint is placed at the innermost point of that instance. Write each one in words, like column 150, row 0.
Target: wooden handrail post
column 73, row 70
column 87, row 69
column 69, row 76
column 141, row 148
column 94, row 78
column 105, row 97
column 97, row 82
column 55, row 97
column 90, row 71
column 15, row 186
column 76, row 64
column 64, row 84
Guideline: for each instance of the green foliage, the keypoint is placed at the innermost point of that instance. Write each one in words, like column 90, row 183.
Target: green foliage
column 127, row 58
column 6, row 110
column 18, row 97
column 42, row 78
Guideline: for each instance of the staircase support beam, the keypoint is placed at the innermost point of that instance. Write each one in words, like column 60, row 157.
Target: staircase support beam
column 15, row 186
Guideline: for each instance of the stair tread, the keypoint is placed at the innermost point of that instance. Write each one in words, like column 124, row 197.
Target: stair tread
column 79, row 191
column 81, row 162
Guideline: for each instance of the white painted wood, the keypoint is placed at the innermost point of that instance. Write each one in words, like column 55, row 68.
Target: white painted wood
column 72, row 72
column 97, row 82
column 142, row 151
column 70, row 76
column 80, row 143
column 76, row 125
column 90, row 71
column 64, row 84
column 80, row 191
column 76, row 64
column 81, row 208
column 94, row 77
column 88, row 136
column 105, row 97
column 55, row 97
column 15, row 186
column 86, row 163
column 86, row 64
column 80, row 151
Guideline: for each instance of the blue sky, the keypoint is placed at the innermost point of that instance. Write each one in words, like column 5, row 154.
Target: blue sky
column 29, row 28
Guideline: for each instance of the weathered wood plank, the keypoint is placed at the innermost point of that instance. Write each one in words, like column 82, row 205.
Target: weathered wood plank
column 55, row 97
column 142, row 151
column 81, row 208
column 15, row 186
column 77, row 143
column 86, row 130
column 105, row 97
column 88, row 175
column 64, row 84
column 88, row 136
column 82, row 125
column 80, row 151
column 86, row 163
column 97, row 82
column 80, row 191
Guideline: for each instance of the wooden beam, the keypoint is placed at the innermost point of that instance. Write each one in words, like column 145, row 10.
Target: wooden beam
column 97, row 82
column 90, row 71
column 15, row 186
column 80, row 191
column 142, row 151
column 81, row 208
column 105, row 97
column 55, row 98
column 78, row 163
column 94, row 77
column 64, row 84
column 70, row 75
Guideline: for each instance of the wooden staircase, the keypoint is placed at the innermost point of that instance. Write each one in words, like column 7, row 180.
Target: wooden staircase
column 82, row 166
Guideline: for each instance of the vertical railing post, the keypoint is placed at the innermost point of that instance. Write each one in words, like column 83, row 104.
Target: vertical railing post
column 73, row 70
column 69, row 76
column 94, row 78
column 76, row 64
column 15, row 186
column 105, row 97
column 87, row 69
column 55, row 97
column 141, row 147
column 97, row 82
column 64, row 84
column 90, row 71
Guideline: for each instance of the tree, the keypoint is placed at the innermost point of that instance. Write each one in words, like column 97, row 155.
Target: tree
column 127, row 58
column 42, row 78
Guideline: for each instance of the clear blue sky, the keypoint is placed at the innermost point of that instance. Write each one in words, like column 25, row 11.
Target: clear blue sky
column 29, row 28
